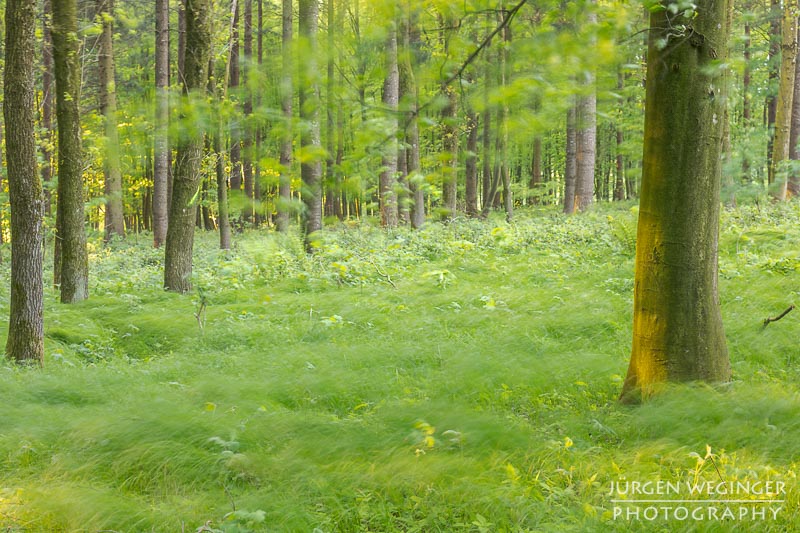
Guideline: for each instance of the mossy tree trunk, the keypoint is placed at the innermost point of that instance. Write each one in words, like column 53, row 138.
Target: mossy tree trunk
column 310, row 142
column 677, row 326
column 71, row 233
column 180, row 234
column 25, row 343
column 112, row 170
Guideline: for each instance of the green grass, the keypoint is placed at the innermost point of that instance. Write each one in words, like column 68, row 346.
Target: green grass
column 459, row 378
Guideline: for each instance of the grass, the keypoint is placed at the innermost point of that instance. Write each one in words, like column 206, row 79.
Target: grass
column 459, row 378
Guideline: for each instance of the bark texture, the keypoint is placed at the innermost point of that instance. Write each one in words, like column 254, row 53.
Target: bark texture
column 25, row 343
column 161, row 158
column 70, row 229
column 677, row 326
column 783, row 112
column 311, row 167
column 180, row 234
column 391, row 89
column 284, row 187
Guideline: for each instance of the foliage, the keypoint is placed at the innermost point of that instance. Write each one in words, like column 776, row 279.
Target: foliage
column 320, row 396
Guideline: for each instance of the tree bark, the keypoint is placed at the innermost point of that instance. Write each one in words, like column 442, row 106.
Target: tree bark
column 311, row 166
column 284, row 187
column 449, row 132
column 774, row 76
column 162, row 156
column 471, row 171
column 408, row 89
column 677, row 325
column 180, row 233
column 47, row 104
column 391, row 89
column 237, row 177
column 570, row 162
column 247, row 107
column 586, row 137
column 783, row 112
column 505, row 75
column 71, row 232
column 25, row 343
column 793, row 185
column 112, row 171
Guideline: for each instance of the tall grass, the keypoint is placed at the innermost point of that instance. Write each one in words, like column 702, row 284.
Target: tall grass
column 459, row 378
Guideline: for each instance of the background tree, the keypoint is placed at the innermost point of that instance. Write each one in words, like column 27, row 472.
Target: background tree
column 287, row 65
column 391, row 88
column 310, row 143
column 114, row 223
column 180, row 234
column 25, row 343
column 162, row 155
column 677, row 326
column 71, row 233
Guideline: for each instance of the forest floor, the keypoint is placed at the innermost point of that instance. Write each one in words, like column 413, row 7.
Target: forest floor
column 458, row 378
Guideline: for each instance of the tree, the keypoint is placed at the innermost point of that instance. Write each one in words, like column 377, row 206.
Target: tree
column 391, row 88
column 449, row 127
column 677, row 326
column 71, row 235
column 180, row 233
column 162, row 155
column 410, row 96
column 783, row 113
column 310, row 166
column 284, row 186
column 570, row 162
column 114, row 223
column 47, row 103
column 25, row 342
column 586, row 136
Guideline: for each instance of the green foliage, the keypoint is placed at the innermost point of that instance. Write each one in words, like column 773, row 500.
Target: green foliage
column 352, row 391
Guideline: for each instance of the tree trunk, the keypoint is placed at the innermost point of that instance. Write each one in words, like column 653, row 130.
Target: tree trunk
column 180, row 234
column 311, row 167
column 471, row 178
column 332, row 186
column 677, row 326
column 774, row 76
column 783, row 113
column 162, row 156
column 534, row 186
column 793, row 185
column 47, row 105
column 449, row 132
column 391, row 89
column 570, row 161
column 235, row 151
column 25, row 343
column 408, row 88
column 619, row 182
column 112, row 171
column 586, row 138
column 74, row 266
column 505, row 74
column 181, row 40
column 247, row 141
column 285, row 191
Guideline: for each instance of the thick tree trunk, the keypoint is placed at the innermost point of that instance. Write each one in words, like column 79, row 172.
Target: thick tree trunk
column 310, row 170
column 161, row 160
column 783, row 113
column 47, row 105
column 677, row 326
column 180, row 234
column 25, row 343
column 570, row 162
column 74, row 266
column 284, row 188
column 114, row 223
column 391, row 89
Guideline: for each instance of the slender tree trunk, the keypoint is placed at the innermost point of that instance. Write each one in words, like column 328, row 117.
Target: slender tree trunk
column 247, row 108
column 570, row 162
column 223, row 217
column 285, row 191
column 471, row 178
column 505, row 74
column 774, row 76
column 783, row 116
column 181, row 40
column 619, row 183
column 391, row 89
column 114, row 223
column 74, row 266
column 47, row 105
column 331, row 185
column 449, row 132
column 180, row 234
column 793, row 185
column 677, row 326
column 25, row 343
column 237, row 176
column 410, row 95
column 586, row 138
column 746, row 102
column 161, row 160
column 310, row 171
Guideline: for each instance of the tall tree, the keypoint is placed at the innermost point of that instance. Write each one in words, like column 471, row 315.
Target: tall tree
column 586, row 134
column 311, row 166
column 783, row 113
column 449, row 127
column 391, row 88
column 180, row 234
column 162, row 156
column 793, row 185
column 408, row 92
column 114, row 223
column 284, row 186
column 677, row 326
column 25, row 343
column 247, row 108
column 570, row 161
column 71, row 234
column 47, row 103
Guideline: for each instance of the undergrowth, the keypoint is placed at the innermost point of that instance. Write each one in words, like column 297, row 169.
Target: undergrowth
column 458, row 378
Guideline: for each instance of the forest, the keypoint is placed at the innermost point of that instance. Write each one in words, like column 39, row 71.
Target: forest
column 413, row 265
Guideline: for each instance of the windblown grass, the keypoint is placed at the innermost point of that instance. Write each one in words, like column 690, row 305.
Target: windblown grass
column 459, row 378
